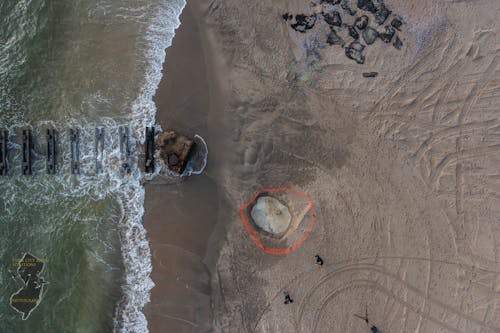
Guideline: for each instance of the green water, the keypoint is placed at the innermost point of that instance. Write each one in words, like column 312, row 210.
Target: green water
column 78, row 64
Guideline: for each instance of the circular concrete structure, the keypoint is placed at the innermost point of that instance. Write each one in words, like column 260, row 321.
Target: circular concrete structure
column 270, row 215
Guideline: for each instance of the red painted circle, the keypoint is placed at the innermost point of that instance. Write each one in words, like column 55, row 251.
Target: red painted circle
column 254, row 236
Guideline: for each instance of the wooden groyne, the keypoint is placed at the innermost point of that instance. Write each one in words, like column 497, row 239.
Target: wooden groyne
column 52, row 151
column 27, row 148
column 4, row 140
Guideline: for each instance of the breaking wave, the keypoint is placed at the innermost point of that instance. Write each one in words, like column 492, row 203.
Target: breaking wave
column 135, row 247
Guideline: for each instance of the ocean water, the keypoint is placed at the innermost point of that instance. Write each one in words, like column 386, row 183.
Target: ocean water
column 66, row 64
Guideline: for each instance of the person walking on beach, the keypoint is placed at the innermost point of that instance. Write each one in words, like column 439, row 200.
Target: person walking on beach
column 319, row 260
column 373, row 328
column 288, row 299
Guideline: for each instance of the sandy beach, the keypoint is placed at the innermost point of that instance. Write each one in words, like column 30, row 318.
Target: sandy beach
column 182, row 218
column 403, row 169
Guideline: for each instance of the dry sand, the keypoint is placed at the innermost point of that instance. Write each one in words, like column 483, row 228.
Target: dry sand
column 403, row 169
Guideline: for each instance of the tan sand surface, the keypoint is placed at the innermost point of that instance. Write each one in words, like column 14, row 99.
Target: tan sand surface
column 403, row 169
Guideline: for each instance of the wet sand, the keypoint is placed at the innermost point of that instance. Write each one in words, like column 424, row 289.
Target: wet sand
column 181, row 218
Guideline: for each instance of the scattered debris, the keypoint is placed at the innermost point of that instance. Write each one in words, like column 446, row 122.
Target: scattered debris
column 354, row 51
column 370, row 74
column 174, row 150
column 361, row 22
column 304, row 22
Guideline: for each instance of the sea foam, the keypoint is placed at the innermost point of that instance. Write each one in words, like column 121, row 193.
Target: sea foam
column 136, row 252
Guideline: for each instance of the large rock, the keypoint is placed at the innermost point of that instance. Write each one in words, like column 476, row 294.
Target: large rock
column 271, row 215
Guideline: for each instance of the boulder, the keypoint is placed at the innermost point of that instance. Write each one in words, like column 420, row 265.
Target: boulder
column 270, row 215
column 334, row 39
column 333, row 18
column 355, row 51
column 303, row 22
column 386, row 37
column 369, row 35
column 352, row 32
column 398, row 44
column 361, row 22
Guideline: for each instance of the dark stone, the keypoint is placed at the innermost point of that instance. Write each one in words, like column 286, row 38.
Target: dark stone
column 303, row 22
column 367, row 5
column 333, row 18
column 398, row 44
column 344, row 4
column 361, row 22
column 334, row 39
column 331, row 2
column 396, row 23
column 369, row 35
column 355, row 52
column 386, row 37
column 370, row 74
column 287, row 16
column 352, row 32
column 381, row 14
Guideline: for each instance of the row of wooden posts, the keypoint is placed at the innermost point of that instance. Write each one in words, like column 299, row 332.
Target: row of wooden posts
column 74, row 135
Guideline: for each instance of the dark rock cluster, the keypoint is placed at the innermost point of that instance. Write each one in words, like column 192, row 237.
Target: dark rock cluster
column 371, row 22
column 302, row 22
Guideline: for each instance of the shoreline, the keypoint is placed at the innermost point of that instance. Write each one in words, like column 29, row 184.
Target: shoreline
column 389, row 216
column 182, row 219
